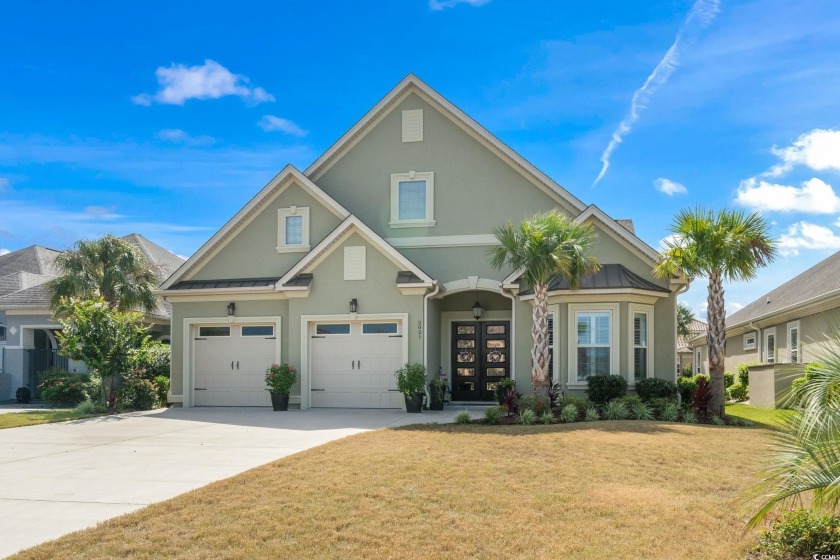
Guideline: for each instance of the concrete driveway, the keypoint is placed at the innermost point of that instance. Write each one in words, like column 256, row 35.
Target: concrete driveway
column 59, row 478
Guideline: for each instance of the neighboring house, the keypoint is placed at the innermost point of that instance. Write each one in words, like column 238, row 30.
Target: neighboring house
column 27, row 330
column 378, row 255
column 785, row 326
column 685, row 350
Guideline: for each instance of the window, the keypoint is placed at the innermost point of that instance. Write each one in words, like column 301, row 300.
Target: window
column 2, row 333
column 332, row 328
column 593, row 344
column 698, row 359
column 258, row 330
column 640, row 346
column 379, row 328
column 412, row 199
column 292, row 229
column 749, row 341
column 550, row 329
column 770, row 346
column 793, row 342
column 355, row 267
column 213, row 331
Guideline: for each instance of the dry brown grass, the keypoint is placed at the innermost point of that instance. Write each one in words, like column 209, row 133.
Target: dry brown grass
column 608, row 490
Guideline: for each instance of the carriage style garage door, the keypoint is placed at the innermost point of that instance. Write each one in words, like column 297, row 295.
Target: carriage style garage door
column 353, row 363
column 230, row 364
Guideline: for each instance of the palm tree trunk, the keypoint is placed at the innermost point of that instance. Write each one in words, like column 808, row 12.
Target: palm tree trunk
column 716, row 342
column 539, row 340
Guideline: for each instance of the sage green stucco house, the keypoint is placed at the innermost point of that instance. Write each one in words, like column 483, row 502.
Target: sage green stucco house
column 377, row 254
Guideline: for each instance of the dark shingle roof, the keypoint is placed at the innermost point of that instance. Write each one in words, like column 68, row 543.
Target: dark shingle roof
column 36, row 295
column 230, row 283
column 820, row 279
column 156, row 255
column 34, row 259
column 610, row 276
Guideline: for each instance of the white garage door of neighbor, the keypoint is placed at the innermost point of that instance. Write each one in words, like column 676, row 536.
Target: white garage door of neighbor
column 230, row 364
column 352, row 364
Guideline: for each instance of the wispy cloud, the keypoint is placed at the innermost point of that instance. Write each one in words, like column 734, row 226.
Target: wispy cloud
column 271, row 123
column 669, row 187
column 102, row 212
column 438, row 5
column 178, row 136
column 702, row 14
column 179, row 83
column 805, row 235
column 815, row 196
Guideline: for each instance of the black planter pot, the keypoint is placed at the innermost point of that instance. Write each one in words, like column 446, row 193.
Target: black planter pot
column 414, row 403
column 280, row 401
column 435, row 403
column 23, row 395
column 501, row 394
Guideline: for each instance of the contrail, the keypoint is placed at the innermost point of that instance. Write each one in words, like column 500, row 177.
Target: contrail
column 703, row 12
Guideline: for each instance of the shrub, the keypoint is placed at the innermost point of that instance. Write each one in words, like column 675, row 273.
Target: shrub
column 528, row 417
column 162, row 389
column 555, row 393
column 592, row 414
column 411, row 379
column 463, row 417
column 689, row 417
column 547, row 417
column 658, row 405
column 601, row 389
column 718, row 420
column 630, row 401
column 616, row 410
column 671, row 413
column 153, row 358
column 492, row 415
column 89, row 407
column 507, row 383
column 60, row 387
column 279, row 378
column 511, row 402
column 581, row 403
column 739, row 393
column 532, row 402
column 744, row 372
column 799, row 534
column 569, row 413
column 686, row 387
column 653, row 388
column 136, row 392
column 642, row 411
column 702, row 395
column 798, row 386
column 728, row 379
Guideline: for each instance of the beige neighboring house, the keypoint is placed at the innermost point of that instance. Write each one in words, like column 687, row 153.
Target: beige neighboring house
column 378, row 254
column 685, row 350
column 787, row 325
column 27, row 330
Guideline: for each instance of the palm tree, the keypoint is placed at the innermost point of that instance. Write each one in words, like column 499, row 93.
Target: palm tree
column 727, row 245
column 685, row 316
column 545, row 247
column 110, row 268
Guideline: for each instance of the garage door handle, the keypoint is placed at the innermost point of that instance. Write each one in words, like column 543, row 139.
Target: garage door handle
column 352, row 364
column 358, row 364
column 231, row 365
column 199, row 389
column 393, row 390
column 317, row 389
column 237, row 364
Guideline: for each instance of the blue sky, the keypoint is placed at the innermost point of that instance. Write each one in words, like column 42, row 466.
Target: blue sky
column 165, row 118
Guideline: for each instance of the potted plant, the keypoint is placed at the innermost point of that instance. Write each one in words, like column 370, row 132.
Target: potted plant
column 437, row 391
column 503, row 387
column 411, row 382
column 280, row 379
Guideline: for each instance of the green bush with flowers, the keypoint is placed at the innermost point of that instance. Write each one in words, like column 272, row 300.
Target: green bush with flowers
column 280, row 378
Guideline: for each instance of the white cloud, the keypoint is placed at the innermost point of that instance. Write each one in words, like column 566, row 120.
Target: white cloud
column 211, row 80
column 438, row 5
column 702, row 311
column 4, row 252
column 703, row 12
column 818, row 149
column 270, row 123
column 814, row 196
column 669, row 187
column 102, row 212
column 805, row 235
column 669, row 240
column 178, row 136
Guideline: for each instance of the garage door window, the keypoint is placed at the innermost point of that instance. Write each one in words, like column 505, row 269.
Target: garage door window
column 213, row 331
column 332, row 328
column 379, row 328
column 258, row 330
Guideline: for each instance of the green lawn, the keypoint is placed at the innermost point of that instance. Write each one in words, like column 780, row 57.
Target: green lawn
column 764, row 417
column 18, row 419
column 589, row 491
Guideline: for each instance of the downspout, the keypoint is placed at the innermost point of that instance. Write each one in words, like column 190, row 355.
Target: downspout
column 512, row 297
column 426, row 299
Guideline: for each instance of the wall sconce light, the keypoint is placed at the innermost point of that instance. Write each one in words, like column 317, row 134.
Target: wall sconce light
column 231, row 309
column 478, row 311
column 354, row 305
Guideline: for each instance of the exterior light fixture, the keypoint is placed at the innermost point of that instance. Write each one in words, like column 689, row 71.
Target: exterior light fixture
column 354, row 305
column 231, row 309
column 478, row 311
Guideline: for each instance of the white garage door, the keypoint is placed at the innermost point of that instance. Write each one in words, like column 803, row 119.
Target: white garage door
column 352, row 364
column 230, row 364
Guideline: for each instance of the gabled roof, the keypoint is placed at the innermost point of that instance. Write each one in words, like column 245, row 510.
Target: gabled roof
column 608, row 277
column 34, row 259
column 413, row 84
column 274, row 187
column 821, row 280
column 166, row 261
column 334, row 239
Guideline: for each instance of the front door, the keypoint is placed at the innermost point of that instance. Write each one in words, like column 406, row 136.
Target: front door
column 480, row 359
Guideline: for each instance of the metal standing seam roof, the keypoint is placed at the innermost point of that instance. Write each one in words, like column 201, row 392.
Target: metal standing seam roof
column 610, row 276
column 226, row 283
column 408, row 277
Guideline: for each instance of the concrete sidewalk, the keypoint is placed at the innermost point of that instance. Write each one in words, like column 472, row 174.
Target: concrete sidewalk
column 59, row 478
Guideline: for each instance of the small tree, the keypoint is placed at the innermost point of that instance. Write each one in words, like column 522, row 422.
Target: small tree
column 685, row 316
column 103, row 338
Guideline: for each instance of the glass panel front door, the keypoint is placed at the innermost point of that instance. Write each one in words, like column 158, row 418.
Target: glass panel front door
column 480, row 359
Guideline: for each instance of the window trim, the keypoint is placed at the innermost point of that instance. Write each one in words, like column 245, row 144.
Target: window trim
column 766, row 357
column 698, row 358
column 282, row 214
column 633, row 310
column 791, row 326
column 396, row 178
column 615, row 333
column 754, row 342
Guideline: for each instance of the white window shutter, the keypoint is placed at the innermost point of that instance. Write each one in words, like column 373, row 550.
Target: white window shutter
column 412, row 125
column 355, row 267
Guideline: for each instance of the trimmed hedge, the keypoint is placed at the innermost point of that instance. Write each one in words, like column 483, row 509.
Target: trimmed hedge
column 601, row 389
column 653, row 388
